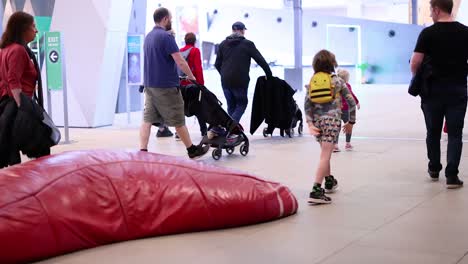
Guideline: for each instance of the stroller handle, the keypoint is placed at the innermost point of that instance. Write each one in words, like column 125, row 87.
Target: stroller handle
column 185, row 78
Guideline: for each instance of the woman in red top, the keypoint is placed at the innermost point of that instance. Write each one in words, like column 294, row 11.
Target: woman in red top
column 17, row 71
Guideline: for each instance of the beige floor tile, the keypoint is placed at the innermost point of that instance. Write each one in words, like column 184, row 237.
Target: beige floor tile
column 464, row 260
column 169, row 249
column 369, row 255
column 287, row 243
column 354, row 212
column 424, row 229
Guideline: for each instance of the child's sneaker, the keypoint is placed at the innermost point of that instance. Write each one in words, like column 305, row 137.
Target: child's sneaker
column 216, row 132
column 211, row 134
column 349, row 147
column 331, row 184
column 317, row 196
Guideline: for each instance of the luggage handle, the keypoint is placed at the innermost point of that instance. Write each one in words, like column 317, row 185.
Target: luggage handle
column 195, row 83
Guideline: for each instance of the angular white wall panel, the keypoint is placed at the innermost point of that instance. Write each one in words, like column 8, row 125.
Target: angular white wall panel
column 95, row 45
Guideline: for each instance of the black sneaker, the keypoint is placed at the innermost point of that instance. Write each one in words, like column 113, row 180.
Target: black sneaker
column 166, row 132
column 454, row 182
column 177, row 137
column 433, row 175
column 331, row 184
column 317, row 196
column 200, row 151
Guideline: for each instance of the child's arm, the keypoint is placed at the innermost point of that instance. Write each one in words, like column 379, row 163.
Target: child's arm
column 354, row 96
column 308, row 107
column 308, row 110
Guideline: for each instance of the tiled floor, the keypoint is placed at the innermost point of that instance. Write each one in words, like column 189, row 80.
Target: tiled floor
column 386, row 211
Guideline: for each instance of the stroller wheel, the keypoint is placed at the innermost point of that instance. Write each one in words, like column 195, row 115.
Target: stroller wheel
column 230, row 150
column 244, row 150
column 300, row 130
column 216, row 154
column 265, row 132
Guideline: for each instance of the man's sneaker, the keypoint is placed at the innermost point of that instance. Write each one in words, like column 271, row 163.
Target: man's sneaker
column 331, row 184
column 200, row 151
column 349, row 147
column 164, row 133
column 317, row 196
column 454, row 183
column 433, row 175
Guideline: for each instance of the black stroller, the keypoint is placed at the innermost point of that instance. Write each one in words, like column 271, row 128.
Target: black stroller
column 198, row 100
column 273, row 103
column 287, row 128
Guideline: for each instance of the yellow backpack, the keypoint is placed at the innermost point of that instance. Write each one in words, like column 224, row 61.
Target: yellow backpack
column 321, row 89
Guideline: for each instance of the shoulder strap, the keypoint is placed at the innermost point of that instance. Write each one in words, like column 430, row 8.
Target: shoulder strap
column 186, row 53
column 38, row 94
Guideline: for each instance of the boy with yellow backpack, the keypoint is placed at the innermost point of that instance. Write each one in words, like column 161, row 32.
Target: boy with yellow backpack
column 323, row 114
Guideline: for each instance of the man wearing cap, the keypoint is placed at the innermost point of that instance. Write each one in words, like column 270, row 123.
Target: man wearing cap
column 233, row 63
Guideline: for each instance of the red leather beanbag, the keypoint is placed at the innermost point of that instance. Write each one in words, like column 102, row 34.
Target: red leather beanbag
column 83, row 199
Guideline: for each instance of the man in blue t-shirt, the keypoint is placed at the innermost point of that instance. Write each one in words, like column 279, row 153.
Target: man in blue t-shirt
column 163, row 100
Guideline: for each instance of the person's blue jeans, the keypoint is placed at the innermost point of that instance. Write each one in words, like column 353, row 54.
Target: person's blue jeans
column 237, row 101
column 435, row 109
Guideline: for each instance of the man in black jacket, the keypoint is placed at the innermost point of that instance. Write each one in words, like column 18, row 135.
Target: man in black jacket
column 446, row 44
column 233, row 63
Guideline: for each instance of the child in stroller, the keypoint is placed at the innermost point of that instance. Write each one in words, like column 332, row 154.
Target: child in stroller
column 202, row 102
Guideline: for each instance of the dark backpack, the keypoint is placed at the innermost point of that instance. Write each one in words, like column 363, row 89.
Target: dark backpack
column 185, row 55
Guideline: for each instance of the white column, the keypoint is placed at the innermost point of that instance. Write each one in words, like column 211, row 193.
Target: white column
column 297, row 34
column 414, row 12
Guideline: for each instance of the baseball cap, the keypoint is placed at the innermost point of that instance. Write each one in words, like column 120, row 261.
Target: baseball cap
column 238, row 26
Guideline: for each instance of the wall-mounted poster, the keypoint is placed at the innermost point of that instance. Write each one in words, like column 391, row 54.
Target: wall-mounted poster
column 135, row 59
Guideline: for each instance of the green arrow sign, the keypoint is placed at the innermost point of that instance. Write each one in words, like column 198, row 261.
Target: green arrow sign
column 53, row 57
